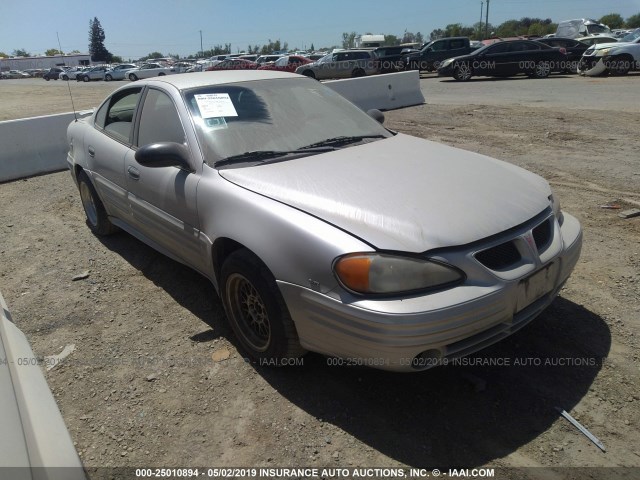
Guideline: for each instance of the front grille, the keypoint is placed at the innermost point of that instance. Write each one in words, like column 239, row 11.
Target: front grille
column 542, row 234
column 499, row 257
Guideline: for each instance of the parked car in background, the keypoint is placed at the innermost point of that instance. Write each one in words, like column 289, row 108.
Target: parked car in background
column 248, row 178
column 54, row 73
column 72, row 73
column 36, row 72
column 391, row 58
column 94, row 73
column 148, row 70
column 342, row 64
column 234, row 64
column 573, row 48
column 433, row 53
column 505, row 59
column 182, row 67
column 251, row 58
column 286, row 63
column 596, row 39
column 618, row 58
column 118, row 72
column 262, row 59
column 581, row 27
column 16, row 74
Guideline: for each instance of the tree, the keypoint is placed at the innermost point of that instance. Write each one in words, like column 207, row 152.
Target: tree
column 75, row 51
column 116, row 59
column 391, row 40
column 419, row 38
column 349, row 39
column 21, row 52
column 53, row 51
column 633, row 21
column 155, row 55
column 436, row 34
column 612, row 20
column 312, row 48
column 97, row 50
column 2, row 54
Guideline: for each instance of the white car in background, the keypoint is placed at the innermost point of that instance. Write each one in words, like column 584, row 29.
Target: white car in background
column 615, row 58
column 72, row 73
column 35, row 442
column 118, row 72
column 149, row 70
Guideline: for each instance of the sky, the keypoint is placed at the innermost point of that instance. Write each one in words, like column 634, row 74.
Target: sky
column 134, row 28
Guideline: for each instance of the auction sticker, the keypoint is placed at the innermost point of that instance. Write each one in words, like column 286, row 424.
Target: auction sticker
column 214, row 105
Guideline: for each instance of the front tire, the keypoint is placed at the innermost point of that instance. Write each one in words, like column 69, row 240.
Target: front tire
column 108, row 77
column 463, row 72
column 619, row 66
column 309, row 73
column 542, row 70
column 97, row 218
column 357, row 73
column 85, row 78
column 256, row 310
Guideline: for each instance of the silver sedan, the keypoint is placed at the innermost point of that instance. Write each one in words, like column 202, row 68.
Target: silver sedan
column 320, row 229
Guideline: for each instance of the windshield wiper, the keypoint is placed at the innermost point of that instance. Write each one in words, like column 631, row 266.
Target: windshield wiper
column 262, row 155
column 341, row 141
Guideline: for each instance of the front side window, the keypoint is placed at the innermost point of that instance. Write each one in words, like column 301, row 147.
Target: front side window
column 159, row 121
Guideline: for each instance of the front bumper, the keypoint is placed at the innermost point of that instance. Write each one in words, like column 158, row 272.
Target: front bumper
column 592, row 66
column 417, row 333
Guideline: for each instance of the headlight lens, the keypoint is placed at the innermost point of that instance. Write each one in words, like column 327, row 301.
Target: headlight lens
column 604, row 52
column 446, row 63
column 378, row 273
column 555, row 206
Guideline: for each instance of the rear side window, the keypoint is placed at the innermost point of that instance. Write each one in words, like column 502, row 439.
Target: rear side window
column 455, row 44
column 116, row 116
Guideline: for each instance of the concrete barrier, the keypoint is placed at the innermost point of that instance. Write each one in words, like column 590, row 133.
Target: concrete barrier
column 32, row 146
column 384, row 92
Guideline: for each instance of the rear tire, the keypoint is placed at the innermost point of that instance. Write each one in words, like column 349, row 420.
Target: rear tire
column 108, row 77
column 256, row 310
column 542, row 70
column 97, row 218
column 85, row 78
column 358, row 72
column 132, row 77
column 309, row 73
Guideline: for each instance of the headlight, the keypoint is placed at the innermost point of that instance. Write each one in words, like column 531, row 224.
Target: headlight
column 379, row 273
column 446, row 63
column 604, row 52
column 555, row 206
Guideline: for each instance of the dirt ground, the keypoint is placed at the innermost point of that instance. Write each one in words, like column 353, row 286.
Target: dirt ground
column 156, row 379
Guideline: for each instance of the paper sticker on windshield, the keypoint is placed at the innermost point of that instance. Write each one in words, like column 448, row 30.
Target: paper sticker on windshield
column 213, row 105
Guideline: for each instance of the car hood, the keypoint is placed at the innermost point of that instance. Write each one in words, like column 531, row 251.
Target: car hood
column 403, row 193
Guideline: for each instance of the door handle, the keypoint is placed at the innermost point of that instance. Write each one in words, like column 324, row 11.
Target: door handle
column 92, row 151
column 133, row 173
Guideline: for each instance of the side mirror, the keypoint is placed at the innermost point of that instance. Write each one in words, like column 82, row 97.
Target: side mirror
column 376, row 115
column 164, row 154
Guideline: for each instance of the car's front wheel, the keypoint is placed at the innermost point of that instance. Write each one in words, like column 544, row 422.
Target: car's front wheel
column 309, row 73
column 108, row 77
column 65, row 77
column 256, row 310
column 358, row 72
column 620, row 65
column 97, row 218
column 462, row 72
column 542, row 70
column 86, row 78
column 132, row 77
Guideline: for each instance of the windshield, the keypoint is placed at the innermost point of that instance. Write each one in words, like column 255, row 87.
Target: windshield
column 631, row 37
column 274, row 115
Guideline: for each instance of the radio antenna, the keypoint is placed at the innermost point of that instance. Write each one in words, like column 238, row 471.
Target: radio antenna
column 68, row 83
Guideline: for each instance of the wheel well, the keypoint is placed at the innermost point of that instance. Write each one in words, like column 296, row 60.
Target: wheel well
column 76, row 171
column 220, row 251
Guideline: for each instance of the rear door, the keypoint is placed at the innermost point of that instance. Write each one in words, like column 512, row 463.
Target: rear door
column 107, row 145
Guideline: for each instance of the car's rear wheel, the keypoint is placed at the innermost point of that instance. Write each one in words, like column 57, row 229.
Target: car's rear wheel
column 46, row 77
column 133, row 77
column 97, row 218
column 161, row 74
column 358, row 72
column 542, row 70
column 462, row 72
column 256, row 310
column 108, row 77
column 65, row 77
column 85, row 78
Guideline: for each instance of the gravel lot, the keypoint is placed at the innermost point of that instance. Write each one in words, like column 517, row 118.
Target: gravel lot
column 156, row 380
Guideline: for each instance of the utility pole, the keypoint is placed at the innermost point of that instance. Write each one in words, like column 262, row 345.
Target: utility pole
column 201, row 50
column 486, row 22
column 480, row 27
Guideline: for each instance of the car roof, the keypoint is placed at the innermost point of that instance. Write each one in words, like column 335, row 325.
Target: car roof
column 203, row 79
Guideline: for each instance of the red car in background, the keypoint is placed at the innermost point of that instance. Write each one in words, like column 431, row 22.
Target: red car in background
column 288, row 63
column 234, row 64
